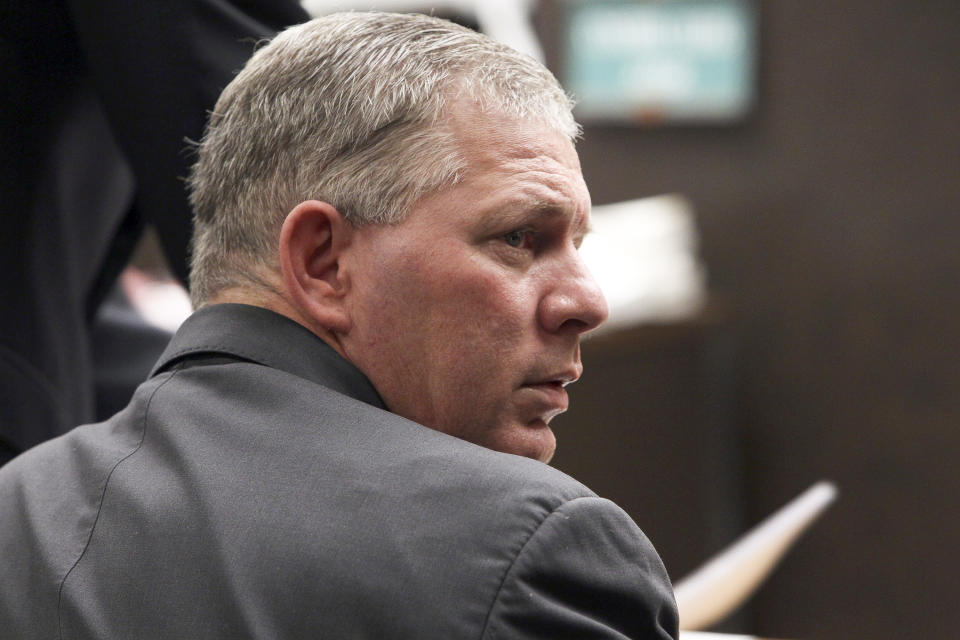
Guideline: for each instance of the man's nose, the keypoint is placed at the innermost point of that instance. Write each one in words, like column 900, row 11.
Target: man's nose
column 574, row 301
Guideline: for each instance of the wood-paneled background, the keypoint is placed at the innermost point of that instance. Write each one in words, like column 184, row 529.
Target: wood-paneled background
column 830, row 226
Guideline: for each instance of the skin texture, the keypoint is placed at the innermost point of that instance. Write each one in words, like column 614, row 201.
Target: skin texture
column 466, row 317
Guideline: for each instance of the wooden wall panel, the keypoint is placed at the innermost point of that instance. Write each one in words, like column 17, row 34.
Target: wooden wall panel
column 830, row 221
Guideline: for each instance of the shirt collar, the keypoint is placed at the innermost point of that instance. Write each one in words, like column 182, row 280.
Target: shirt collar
column 268, row 338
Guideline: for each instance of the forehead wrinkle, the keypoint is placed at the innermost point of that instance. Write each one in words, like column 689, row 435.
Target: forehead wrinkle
column 519, row 152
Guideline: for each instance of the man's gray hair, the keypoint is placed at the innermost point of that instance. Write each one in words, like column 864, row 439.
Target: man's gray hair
column 347, row 109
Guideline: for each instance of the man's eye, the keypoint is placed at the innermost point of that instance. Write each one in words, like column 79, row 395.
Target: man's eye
column 515, row 238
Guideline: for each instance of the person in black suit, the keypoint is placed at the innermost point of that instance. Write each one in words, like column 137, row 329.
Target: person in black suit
column 348, row 439
column 98, row 100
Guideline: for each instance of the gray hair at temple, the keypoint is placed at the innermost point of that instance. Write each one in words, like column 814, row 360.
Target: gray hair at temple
column 347, row 109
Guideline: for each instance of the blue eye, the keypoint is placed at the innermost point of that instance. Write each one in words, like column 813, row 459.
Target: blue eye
column 515, row 238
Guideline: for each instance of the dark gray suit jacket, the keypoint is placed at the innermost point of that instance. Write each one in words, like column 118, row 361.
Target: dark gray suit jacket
column 255, row 487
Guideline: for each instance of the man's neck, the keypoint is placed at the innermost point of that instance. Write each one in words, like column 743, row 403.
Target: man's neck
column 276, row 302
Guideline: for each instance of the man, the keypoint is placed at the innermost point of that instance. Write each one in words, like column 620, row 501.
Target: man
column 390, row 297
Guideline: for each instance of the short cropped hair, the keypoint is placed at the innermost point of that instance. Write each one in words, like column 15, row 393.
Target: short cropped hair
column 348, row 109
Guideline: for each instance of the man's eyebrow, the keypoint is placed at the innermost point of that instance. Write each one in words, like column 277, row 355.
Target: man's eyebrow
column 580, row 225
column 521, row 210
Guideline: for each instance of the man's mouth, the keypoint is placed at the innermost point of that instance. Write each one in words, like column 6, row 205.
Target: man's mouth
column 561, row 376
column 545, row 394
column 547, row 398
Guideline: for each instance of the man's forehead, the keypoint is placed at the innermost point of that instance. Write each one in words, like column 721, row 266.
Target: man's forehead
column 467, row 116
column 512, row 169
column 514, row 147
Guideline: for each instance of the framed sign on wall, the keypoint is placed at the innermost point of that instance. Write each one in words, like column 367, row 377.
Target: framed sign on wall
column 661, row 61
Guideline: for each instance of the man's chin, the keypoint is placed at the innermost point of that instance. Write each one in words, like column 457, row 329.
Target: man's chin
column 534, row 440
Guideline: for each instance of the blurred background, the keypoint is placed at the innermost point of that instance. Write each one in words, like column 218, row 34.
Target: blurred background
column 828, row 346
column 812, row 150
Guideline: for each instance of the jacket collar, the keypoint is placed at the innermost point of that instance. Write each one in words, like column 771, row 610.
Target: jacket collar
column 259, row 335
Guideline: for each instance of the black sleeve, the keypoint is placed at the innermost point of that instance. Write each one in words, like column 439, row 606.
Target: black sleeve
column 158, row 68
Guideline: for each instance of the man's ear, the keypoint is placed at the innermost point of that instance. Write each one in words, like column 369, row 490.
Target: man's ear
column 312, row 241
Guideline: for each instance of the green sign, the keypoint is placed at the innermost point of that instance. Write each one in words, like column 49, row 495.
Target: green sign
column 655, row 61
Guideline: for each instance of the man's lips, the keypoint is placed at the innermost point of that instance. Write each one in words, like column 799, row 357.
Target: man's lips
column 560, row 376
column 544, row 392
column 547, row 398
